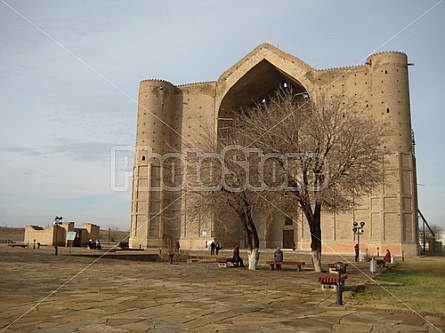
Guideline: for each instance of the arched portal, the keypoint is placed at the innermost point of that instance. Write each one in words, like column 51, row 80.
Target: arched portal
column 257, row 85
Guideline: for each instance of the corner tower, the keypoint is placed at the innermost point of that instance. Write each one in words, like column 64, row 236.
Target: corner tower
column 389, row 97
column 394, row 212
column 155, row 123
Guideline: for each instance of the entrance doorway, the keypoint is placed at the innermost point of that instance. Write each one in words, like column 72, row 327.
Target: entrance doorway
column 78, row 240
column 288, row 239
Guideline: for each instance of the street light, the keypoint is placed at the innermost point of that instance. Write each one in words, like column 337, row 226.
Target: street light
column 358, row 230
column 57, row 222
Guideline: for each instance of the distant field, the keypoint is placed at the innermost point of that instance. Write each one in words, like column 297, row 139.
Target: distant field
column 414, row 284
column 114, row 236
column 14, row 234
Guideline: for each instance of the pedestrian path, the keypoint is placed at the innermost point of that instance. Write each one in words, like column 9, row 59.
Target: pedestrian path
column 45, row 293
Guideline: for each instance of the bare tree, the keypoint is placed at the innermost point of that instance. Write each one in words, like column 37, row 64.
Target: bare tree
column 219, row 183
column 327, row 151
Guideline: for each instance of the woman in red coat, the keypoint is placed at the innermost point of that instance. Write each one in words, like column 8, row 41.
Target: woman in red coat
column 387, row 256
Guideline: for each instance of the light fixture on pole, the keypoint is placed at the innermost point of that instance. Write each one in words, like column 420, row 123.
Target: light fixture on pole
column 358, row 230
column 57, row 222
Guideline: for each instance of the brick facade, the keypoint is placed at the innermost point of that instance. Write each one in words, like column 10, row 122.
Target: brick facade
column 168, row 115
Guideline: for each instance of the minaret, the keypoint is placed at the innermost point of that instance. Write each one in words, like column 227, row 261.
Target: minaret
column 153, row 135
column 389, row 99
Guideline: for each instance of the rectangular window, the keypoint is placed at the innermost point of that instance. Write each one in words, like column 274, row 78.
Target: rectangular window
column 288, row 220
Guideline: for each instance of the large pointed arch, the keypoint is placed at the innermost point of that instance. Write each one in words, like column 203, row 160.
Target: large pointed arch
column 255, row 77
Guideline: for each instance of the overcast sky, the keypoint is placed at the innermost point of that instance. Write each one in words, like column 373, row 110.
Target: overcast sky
column 70, row 73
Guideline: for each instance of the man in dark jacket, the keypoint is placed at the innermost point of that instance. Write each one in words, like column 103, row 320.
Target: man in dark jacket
column 236, row 258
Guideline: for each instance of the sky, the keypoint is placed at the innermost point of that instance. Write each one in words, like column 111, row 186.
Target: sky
column 70, row 74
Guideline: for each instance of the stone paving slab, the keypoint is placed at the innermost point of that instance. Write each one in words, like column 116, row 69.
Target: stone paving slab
column 44, row 293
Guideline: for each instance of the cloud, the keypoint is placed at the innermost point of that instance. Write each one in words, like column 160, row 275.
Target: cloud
column 90, row 152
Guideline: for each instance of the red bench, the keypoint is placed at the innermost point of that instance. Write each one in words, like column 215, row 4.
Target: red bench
column 332, row 268
column 330, row 281
column 278, row 264
column 224, row 262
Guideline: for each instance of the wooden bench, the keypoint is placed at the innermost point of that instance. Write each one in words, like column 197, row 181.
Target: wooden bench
column 224, row 262
column 330, row 281
column 381, row 263
column 18, row 245
column 278, row 264
column 332, row 268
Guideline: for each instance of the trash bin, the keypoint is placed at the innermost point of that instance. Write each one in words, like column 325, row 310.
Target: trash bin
column 393, row 259
column 373, row 267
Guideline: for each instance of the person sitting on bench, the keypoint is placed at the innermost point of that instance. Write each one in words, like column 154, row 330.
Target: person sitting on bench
column 236, row 257
column 278, row 255
column 387, row 256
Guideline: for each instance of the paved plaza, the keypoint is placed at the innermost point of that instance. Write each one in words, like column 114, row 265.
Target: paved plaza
column 81, row 292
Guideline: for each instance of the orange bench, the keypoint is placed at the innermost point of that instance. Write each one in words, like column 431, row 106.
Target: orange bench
column 224, row 262
column 331, row 281
column 278, row 264
column 332, row 268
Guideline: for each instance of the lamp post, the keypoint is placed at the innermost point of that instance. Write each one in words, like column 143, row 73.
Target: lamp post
column 340, row 268
column 358, row 230
column 57, row 222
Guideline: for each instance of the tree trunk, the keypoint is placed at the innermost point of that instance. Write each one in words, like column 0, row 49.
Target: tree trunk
column 314, row 221
column 316, row 261
column 251, row 235
column 316, row 238
column 253, row 256
column 244, row 212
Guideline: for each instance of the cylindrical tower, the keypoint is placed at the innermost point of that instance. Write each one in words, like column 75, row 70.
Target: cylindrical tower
column 390, row 98
column 155, row 113
column 154, row 122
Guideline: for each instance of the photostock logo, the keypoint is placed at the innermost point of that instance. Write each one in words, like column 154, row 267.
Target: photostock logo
column 234, row 169
column 122, row 158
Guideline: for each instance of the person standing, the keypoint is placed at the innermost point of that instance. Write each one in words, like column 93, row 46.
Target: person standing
column 212, row 248
column 217, row 248
column 357, row 252
column 177, row 246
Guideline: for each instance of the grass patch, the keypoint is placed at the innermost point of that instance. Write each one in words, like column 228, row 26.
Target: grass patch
column 416, row 283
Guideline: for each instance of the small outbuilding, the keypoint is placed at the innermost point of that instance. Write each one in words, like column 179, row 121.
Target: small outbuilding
column 57, row 234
